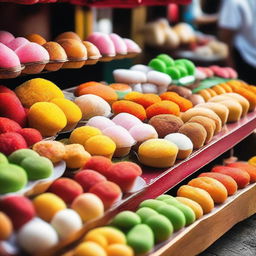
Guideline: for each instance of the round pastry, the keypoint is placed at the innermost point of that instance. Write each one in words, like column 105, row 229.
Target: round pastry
column 31, row 136
column 37, row 236
column 196, row 99
column 5, row 227
column 202, row 112
column 163, row 107
column 137, row 87
column 165, row 124
column 53, row 150
column 218, row 89
column 235, row 110
column 88, row 178
column 89, row 248
column 150, row 88
column 75, row 156
column 85, row 85
column 12, row 108
column 57, row 54
column 100, row 122
column 100, row 145
column 129, row 107
column 126, row 120
column 71, row 111
column 142, row 68
column 67, row 189
column 17, row 42
column 109, row 192
column 219, row 109
column 129, row 76
column 124, row 174
column 47, row 205
column 122, row 138
column 132, row 48
column 183, row 143
column 92, row 51
column 205, row 94
column 10, row 142
column 88, row 206
column 158, row 153
column 5, row 37
column 158, row 65
column 120, row 46
column 105, row 92
column 8, row 58
column 207, row 123
column 68, row 35
column 92, row 105
column 196, row 132
column 3, row 159
column 36, row 38
column 66, row 222
column 19, row 209
column 8, row 125
column 212, row 92
column 76, row 52
column 37, row 90
column 81, row 134
column 182, row 91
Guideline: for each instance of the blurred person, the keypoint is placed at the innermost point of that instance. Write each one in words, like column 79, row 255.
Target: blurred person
column 237, row 23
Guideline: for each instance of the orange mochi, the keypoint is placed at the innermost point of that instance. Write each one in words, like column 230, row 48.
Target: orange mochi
column 126, row 106
column 163, row 107
column 105, row 92
column 216, row 189
column 199, row 195
column 183, row 103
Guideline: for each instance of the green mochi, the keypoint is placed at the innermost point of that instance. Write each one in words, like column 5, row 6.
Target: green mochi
column 37, row 167
column 145, row 213
column 126, row 220
column 152, row 203
column 173, row 72
column 141, row 238
column 3, row 159
column 19, row 155
column 190, row 66
column 182, row 69
column 187, row 211
column 174, row 215
column 166, row 59
column 157, row 65
column 161, row 227
column 12, row 178
column 165, row 197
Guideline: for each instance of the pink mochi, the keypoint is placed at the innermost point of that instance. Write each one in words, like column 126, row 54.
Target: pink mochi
column 142, row 132
column 103, row 43
column 100, row 122
column 119, row 43
column 120, row 136
column 17, row 42
column 5, row 37
column 8, row 58
column 32, row 52
column 132, row 47
column 126, row 120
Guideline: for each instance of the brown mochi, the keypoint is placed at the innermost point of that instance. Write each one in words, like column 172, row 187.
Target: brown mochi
column 196, row 132
column 165, row 124
column 207, row 123
column 221, row 110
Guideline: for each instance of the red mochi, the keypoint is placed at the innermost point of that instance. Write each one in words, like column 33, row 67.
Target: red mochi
column 251, row 170
column 11, row 107
column 241, row 177
column 19, row 209
column 30, row 135
column 124, row 174
column 100, row 164
column 10, row 142
column 4, row 89
column 8, row 125
column 67, row 189
column 108, row 192
column 88, row 178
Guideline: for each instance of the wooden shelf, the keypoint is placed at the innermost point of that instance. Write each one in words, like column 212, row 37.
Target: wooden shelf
column 159, row 181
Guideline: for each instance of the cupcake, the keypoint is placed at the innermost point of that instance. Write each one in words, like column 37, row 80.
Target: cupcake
column 183, row 143
column 122, row 138
column 166, row 124
column 158, row 153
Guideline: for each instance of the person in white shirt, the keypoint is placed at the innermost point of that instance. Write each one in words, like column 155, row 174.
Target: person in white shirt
column 237, row 23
